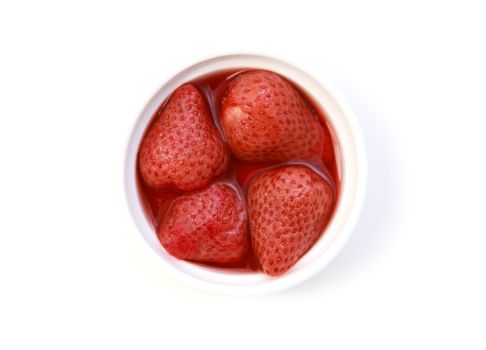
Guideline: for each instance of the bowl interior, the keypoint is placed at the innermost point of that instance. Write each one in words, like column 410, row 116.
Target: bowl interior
column 350, row 164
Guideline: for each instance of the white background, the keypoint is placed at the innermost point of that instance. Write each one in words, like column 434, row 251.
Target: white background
column 74, row 273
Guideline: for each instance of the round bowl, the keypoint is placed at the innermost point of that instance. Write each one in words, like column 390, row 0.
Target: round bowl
column 351, row 166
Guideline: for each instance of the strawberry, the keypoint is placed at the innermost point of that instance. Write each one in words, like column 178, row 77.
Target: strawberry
column 206, row 226
column 266, row 119
column 288, row 209
column 183, row 148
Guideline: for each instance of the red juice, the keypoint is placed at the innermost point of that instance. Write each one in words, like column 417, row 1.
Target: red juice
column 156, row 203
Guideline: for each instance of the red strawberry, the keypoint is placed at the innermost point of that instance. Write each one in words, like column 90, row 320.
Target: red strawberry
column 266, row 119
column 288, row 209
column 206, row 226
column 183, row 148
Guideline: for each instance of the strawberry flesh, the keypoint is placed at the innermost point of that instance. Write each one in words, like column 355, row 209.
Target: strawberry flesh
column 183, row 149
column 265, row 119
column 206, row 226
column 289, row 208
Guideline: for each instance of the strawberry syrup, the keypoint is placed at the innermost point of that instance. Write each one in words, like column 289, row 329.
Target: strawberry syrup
column 156, row 203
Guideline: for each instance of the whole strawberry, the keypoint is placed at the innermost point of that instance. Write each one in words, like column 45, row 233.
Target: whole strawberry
column 183, row 148
column 288, row 209
column 266, row 119
column 206, row 226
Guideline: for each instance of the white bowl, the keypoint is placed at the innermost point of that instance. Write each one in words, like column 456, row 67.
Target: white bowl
column 351, row 170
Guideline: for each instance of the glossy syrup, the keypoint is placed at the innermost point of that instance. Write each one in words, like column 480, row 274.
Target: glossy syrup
column 240, row 173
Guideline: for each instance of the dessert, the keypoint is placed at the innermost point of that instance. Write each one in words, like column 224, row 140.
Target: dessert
column 238, row 170
column 267, row 120
column 206, row 226
column 289, row 206
column 182, row 149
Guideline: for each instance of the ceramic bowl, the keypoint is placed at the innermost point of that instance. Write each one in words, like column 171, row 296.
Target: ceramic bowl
column 351, row 165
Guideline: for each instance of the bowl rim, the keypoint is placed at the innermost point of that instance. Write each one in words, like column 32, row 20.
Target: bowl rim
column 348, row 208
